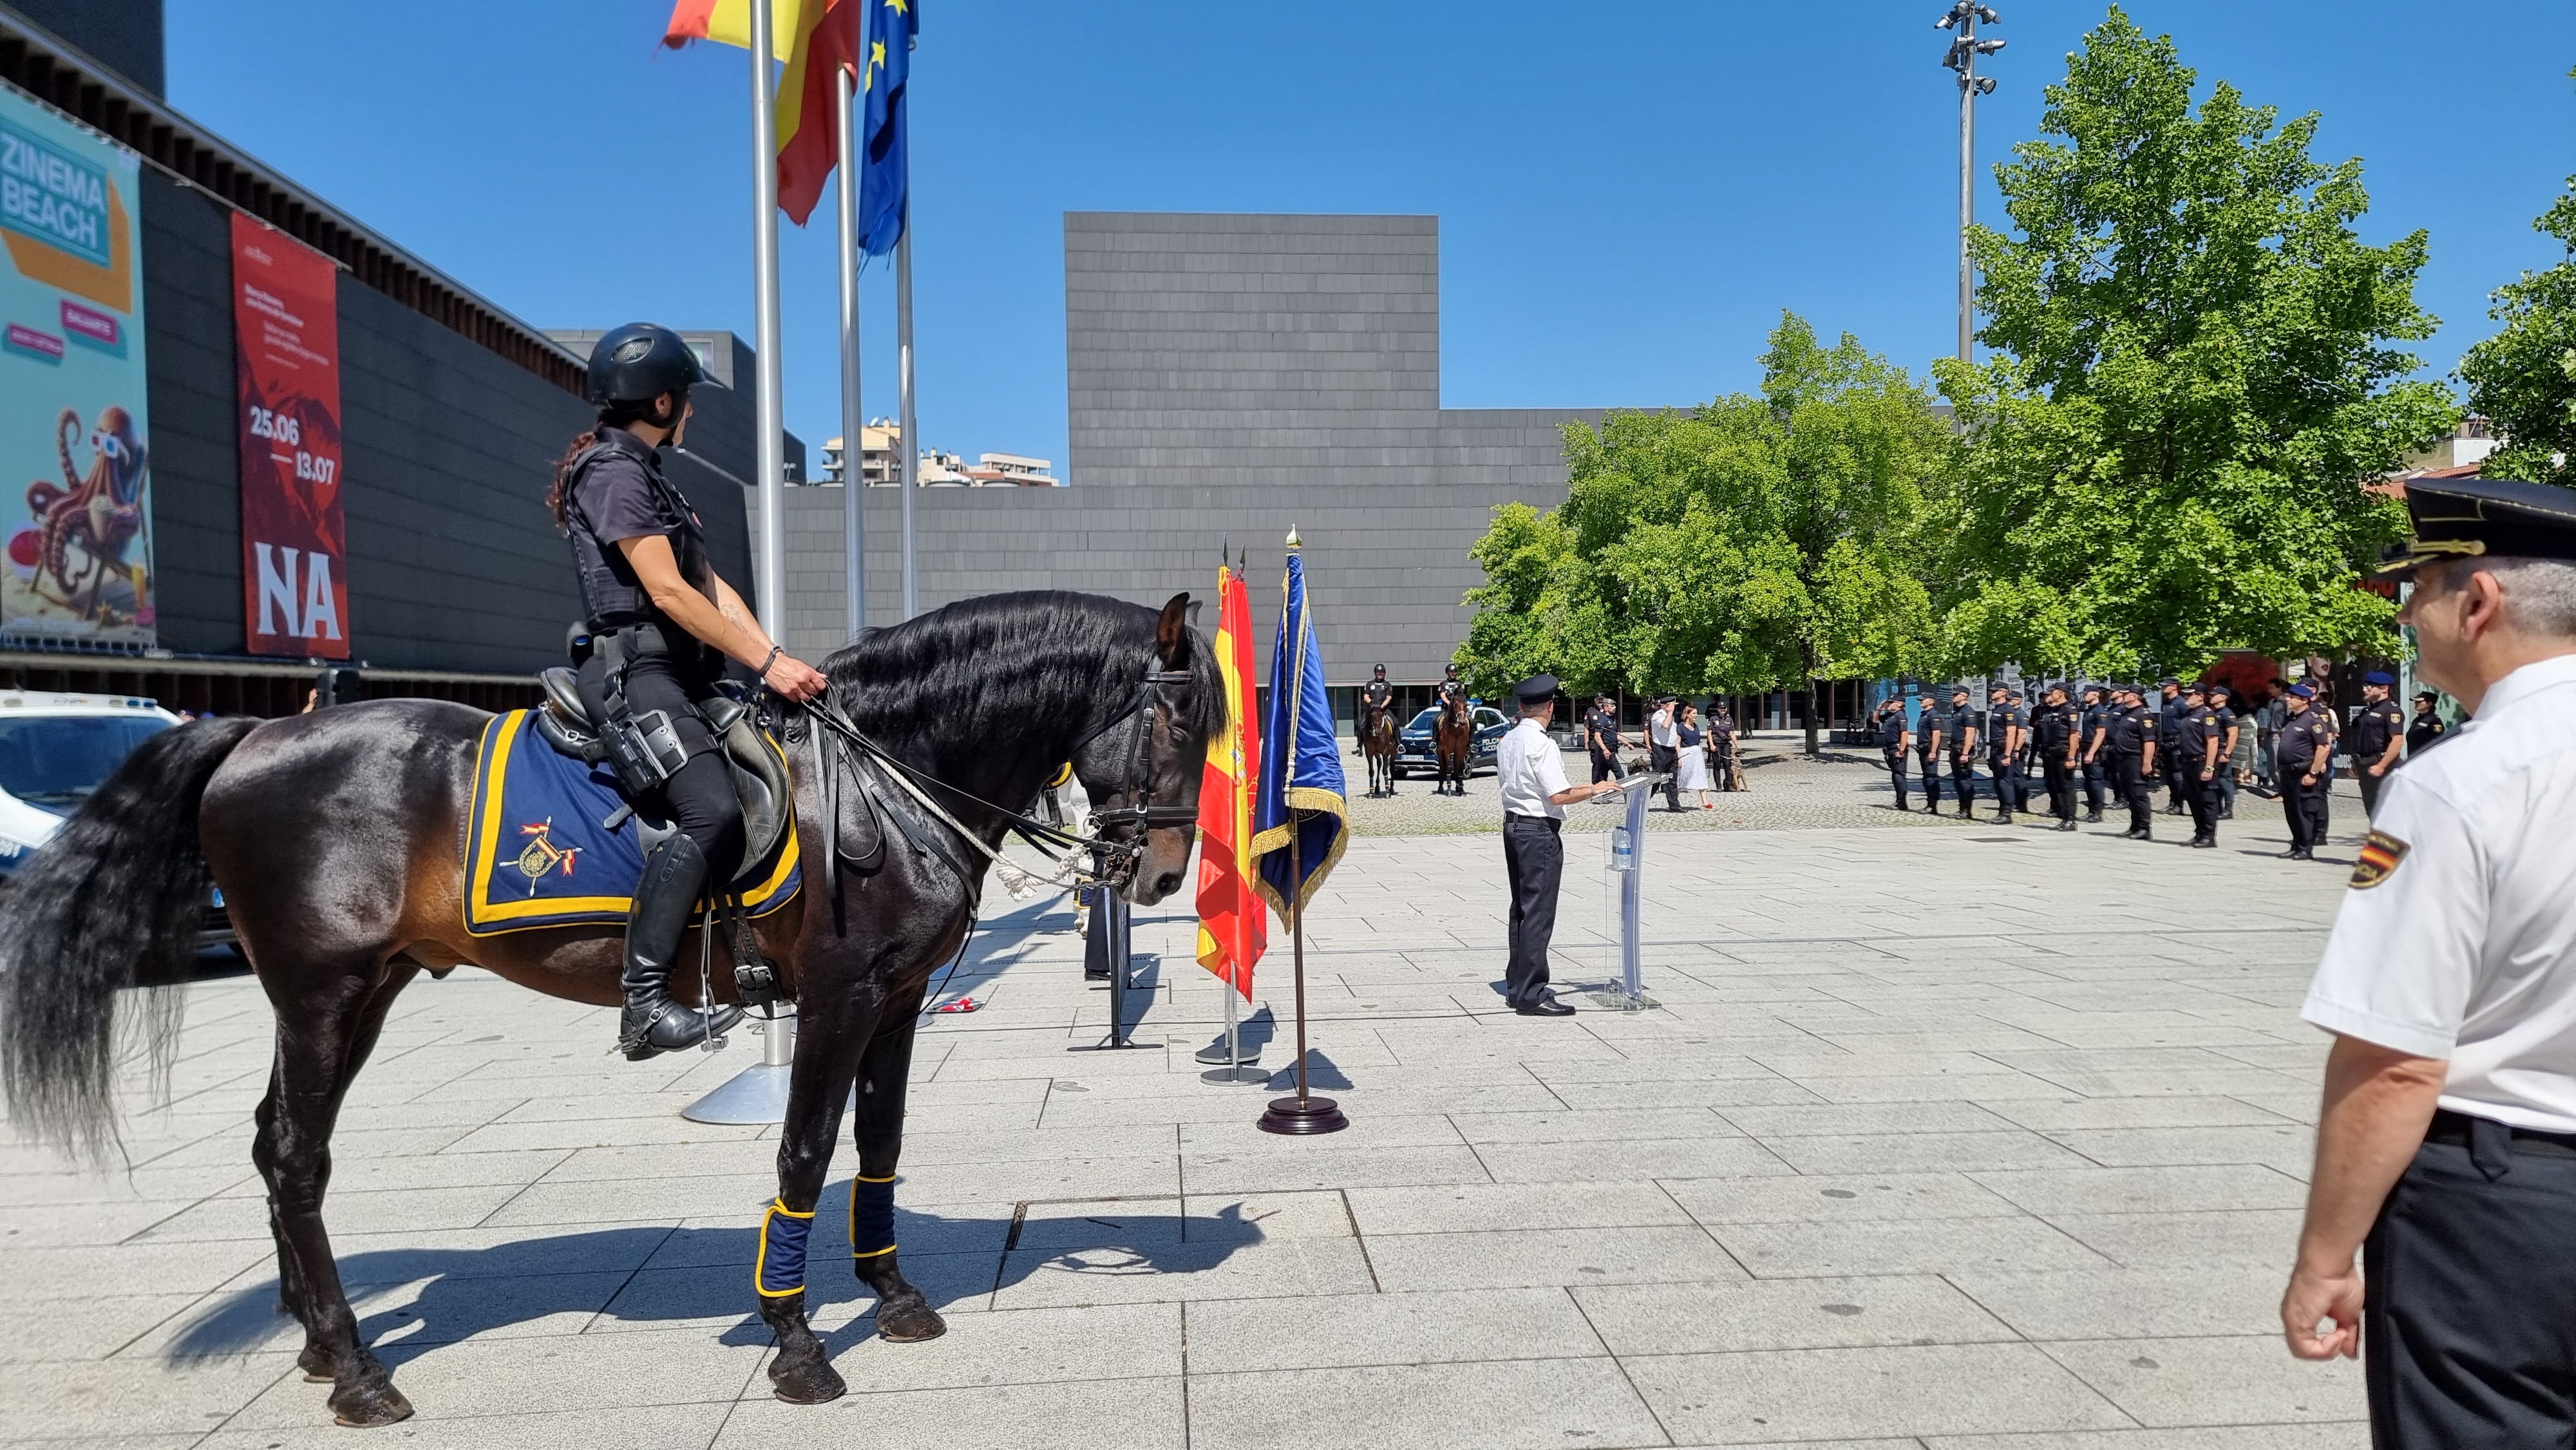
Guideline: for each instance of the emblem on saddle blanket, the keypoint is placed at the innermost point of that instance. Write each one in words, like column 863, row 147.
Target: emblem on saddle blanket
column 538, row 852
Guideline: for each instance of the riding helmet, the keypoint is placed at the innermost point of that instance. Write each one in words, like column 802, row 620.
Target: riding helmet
column 639, row 362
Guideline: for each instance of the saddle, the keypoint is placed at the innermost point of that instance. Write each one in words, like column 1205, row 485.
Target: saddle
column 759, row 777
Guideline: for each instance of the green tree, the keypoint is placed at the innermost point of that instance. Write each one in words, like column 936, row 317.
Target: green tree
column 2198, row 368
column 1754, row 543
column 2524, row 378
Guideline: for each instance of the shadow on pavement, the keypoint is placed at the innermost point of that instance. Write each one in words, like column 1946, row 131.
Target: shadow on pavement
column 703, row 1277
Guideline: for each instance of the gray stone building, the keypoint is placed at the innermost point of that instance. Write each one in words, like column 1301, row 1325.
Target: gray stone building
column 1230, row 376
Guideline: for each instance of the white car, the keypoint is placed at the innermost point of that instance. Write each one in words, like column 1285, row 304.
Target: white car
column 55, row 750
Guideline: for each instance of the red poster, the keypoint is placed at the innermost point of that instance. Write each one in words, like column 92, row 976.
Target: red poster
column 286, row 326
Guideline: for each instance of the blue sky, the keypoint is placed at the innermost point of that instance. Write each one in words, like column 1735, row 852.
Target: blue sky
column 1628, row 192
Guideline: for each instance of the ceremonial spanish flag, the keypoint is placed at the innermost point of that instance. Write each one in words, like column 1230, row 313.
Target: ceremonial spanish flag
column 818, row 39
column 1232, row 931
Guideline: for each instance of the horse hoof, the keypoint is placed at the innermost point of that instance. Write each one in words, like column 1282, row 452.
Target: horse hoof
column 816, row 1383
column 909, row 1324
column 316, row 1366
column 368, row 1404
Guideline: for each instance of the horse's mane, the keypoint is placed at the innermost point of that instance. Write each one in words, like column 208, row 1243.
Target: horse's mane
column 1046, row 654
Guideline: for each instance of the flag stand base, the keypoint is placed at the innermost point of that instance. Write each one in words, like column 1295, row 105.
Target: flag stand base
column 1243, row 1072
column 1300, row 1117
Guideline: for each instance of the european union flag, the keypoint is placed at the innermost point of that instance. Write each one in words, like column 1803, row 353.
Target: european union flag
column 1302, row 790
column 884, row 170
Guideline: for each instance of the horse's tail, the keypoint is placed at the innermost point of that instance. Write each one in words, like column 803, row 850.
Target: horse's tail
column 116, row 897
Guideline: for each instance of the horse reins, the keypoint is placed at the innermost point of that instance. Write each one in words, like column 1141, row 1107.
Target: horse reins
column 1118, row 857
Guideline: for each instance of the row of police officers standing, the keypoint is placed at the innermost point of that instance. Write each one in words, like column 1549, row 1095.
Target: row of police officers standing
column 2104, row 739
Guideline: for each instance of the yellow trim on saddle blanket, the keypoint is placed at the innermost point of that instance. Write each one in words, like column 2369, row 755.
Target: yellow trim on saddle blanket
column 486, row 917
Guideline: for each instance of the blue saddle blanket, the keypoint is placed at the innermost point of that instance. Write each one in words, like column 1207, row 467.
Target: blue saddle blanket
column 537, row 855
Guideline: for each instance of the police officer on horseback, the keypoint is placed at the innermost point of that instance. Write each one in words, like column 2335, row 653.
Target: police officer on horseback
column 662, row 623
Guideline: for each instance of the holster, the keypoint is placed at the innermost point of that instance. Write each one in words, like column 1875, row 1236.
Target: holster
column 645, row 750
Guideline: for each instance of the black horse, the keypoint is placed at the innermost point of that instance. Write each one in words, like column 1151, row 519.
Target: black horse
column 335, row 837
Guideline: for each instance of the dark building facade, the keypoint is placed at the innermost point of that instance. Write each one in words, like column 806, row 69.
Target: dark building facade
column 452, row 413
column 1230, row 377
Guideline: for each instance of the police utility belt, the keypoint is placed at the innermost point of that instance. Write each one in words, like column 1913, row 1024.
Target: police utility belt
column 645, row 750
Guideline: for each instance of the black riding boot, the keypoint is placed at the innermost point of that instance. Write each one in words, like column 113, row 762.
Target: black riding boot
column 674, row 876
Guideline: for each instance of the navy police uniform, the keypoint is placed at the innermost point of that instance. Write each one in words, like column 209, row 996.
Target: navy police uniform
column 2056, row 742
column 2132, row 737
column 1963, row 722
column 1890, row 725
column 2096, row 723
column 617, row 492
column 2003, row 754
column 2198, row 740
column 2373, row 730
column 2303, row 787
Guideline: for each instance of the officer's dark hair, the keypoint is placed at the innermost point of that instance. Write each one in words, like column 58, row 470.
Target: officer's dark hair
column 611, row 415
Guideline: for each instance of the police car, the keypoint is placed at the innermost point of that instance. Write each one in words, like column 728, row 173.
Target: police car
column 55, row 751
column 1416, row 750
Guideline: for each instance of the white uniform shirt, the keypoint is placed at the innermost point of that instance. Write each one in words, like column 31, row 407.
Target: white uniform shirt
column 1660, row 730
column 2458, row 940
column 1529, row 768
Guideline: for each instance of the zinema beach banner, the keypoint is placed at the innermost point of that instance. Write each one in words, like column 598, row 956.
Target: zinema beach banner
column 286, row 327
column 75, row 504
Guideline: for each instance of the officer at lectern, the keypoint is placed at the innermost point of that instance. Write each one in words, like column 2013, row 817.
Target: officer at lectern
column 1530, row 771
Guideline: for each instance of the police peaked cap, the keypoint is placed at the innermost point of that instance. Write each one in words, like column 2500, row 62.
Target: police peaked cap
column 2466, row 518
column 2381, row 678
column 1537, row 689
column 639, row 362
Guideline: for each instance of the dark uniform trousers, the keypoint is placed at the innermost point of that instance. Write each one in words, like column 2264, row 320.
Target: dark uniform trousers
column 1963, row 779
column 2060, row 778
column 2305, row 806
column 1896, row 772
column 2007, row 781
column 2200, row 795
column 2094, row 775
column 2129, row 778
column 2470, row 1271
column 1664, row 760
column 1534, row 857
column 1931, row 765
column 2369, row 784
column 698, row 798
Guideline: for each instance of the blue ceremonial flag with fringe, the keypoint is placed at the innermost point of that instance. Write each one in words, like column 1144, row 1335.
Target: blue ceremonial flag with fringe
column 1303, row 794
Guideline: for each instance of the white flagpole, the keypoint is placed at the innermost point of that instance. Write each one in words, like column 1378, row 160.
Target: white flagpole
column 758, row 1094
column 771, row 399
column 854, row 527
column 911, row 450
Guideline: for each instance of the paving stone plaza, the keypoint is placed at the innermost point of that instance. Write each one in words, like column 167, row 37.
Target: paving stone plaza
column 1953, row 1136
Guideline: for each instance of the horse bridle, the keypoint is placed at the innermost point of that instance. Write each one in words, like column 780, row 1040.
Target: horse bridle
column 1137, row 787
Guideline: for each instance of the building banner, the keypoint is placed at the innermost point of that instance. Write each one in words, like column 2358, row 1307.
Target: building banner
column 75, row 500
column 286, row 332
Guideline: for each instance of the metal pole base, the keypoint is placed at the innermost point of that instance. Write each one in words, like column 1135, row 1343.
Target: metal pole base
column 1300, row 1117
column 1619, row 1001
column 1245, row 1072
column 757, row 1094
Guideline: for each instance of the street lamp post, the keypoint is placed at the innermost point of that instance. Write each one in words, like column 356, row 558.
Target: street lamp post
column 1965, row 47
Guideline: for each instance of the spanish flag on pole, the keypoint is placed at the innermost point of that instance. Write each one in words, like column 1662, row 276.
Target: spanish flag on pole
column 1231, row 928
column 817, row 39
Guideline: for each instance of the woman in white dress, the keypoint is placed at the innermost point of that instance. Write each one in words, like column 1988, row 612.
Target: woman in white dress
column 1690, row 766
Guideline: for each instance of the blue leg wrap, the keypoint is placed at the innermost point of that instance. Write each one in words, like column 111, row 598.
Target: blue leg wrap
column 781, row 1270
column 871, row 1217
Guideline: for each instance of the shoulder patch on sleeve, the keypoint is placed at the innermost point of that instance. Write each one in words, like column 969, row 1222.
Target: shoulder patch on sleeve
column 2379, row 856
